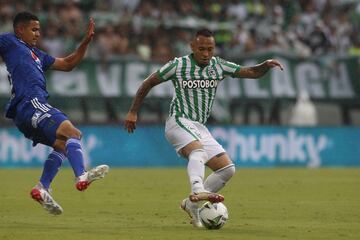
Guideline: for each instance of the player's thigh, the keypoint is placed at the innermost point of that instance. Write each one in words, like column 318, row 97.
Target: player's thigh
column 39, row 121
column 47, row 129
column 215, row 151
column 211, row 146
column 181, row 133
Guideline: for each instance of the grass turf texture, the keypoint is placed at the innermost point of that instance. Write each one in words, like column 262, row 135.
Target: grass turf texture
column 144, row 204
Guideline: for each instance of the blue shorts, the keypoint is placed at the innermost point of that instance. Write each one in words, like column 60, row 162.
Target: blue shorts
column 38, row 121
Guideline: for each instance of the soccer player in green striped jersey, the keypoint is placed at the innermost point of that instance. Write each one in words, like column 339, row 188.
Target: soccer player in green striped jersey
column 195, row 78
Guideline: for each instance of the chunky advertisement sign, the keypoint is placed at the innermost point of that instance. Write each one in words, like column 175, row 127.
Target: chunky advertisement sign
column 247, row 147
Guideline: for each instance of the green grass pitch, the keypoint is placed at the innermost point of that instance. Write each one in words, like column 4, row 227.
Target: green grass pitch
column 279, row 203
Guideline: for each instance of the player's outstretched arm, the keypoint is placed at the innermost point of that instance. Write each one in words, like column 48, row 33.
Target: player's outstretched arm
column 145, row 87
column 258, row 70
column 69, row 62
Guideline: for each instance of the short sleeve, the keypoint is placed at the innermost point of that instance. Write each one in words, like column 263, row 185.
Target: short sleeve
column 46, row 59
column 168, row 70
column 229, row 68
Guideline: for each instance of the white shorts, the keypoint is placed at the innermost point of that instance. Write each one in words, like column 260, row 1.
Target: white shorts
column 181, row 131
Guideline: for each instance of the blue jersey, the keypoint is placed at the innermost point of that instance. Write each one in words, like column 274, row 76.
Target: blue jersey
column 26, row 66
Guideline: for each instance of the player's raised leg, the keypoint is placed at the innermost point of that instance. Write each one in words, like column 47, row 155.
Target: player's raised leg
column 74, row 153
column 223, row 169
column 196, row 171
column 197, row 157
column 96, row 173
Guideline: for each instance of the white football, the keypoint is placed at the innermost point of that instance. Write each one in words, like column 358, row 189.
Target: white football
column 213, row 215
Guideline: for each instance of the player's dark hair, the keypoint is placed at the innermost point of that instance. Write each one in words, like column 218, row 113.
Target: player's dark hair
column 24, row 17
column 204, row 32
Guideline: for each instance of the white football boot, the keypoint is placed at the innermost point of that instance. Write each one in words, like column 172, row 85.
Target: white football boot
column 192, row 209
column 84, row 180
column 42, row 196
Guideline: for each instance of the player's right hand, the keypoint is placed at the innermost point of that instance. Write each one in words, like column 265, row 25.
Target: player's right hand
column 130, row 122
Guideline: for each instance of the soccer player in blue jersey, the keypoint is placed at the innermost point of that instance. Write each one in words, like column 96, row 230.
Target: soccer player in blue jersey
column 31, row 113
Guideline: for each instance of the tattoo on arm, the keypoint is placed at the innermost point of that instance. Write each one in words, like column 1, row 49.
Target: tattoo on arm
column 259, row 69
column 253, row 71
column 139, row 97
column 143, row 90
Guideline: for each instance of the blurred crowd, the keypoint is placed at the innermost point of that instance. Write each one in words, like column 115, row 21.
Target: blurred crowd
column 158, row 30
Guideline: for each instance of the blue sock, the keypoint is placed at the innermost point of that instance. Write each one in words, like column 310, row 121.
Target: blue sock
column 51, row 168
column 75, row 156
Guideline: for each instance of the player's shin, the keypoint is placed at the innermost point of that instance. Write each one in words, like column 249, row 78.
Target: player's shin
column 196, row 169
column 217, row 180
column 51, row 168
column 75, row 156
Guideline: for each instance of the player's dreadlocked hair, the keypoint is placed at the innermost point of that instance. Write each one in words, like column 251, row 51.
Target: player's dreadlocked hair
column 204, row 32
column 24, row 17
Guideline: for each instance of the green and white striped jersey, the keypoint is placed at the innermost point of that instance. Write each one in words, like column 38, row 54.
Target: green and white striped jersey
column 195, row 86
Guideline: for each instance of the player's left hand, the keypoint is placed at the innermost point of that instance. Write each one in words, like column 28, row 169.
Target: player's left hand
column 90, row 31
column 271, row 63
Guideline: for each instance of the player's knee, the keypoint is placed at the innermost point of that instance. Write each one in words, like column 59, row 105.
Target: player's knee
column 67, row 131
column 77, row 133
column 226, row 172
column 231, row 170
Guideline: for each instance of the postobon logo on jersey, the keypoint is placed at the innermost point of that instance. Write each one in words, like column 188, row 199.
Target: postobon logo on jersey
column 199, row 84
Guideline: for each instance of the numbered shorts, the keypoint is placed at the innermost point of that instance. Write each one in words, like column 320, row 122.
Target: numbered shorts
column 181, row 131
column 38, row 121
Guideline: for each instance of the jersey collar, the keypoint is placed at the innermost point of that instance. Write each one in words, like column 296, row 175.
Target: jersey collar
column 27, row 45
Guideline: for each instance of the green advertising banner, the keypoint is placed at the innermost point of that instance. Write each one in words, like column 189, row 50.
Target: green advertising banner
column 323, row 78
